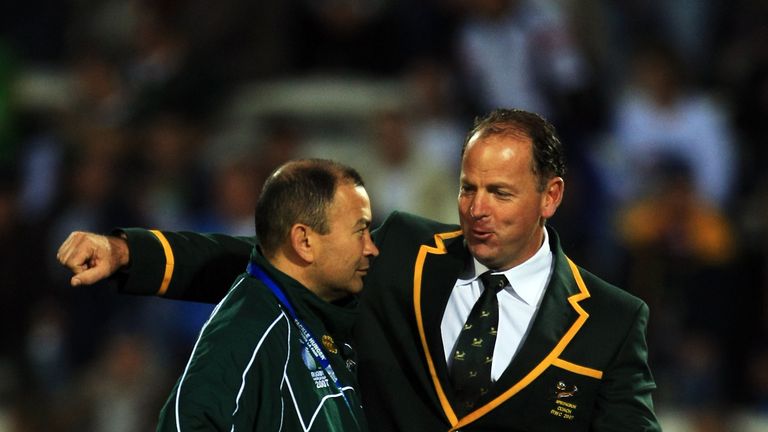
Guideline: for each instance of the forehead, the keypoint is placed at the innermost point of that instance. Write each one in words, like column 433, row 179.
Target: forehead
column 350, row 203
column 504, row 152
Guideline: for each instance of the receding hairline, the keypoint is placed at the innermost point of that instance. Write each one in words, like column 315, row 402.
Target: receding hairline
column 504, row 132
column 510, row 129
column 339, row 171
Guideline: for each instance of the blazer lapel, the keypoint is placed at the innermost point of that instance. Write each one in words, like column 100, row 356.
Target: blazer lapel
column 441, row 272
column 554, row 318
column 436, row 269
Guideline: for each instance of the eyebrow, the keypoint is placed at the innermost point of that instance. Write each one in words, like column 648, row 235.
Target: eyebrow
column 496, row 186
column 488, row 186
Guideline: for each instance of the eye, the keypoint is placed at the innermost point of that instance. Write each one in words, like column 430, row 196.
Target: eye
column 502, row 194
column 363, row 229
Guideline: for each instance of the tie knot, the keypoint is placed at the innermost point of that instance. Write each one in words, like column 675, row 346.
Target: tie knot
column 495, row 282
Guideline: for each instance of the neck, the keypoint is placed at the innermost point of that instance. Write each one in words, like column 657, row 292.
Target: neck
column 298, row 270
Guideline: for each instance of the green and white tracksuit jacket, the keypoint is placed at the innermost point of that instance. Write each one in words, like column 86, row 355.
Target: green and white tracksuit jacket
column 252, row 370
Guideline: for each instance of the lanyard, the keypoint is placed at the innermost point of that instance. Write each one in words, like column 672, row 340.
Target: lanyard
column 256, row 271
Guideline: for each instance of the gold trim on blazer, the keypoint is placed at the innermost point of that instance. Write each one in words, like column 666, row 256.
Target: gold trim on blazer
column 552, row 359
column 169, row 262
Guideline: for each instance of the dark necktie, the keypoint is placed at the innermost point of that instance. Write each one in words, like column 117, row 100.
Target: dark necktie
column 471, row 367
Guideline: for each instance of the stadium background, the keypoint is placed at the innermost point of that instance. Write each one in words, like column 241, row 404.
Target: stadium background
column 170, row 113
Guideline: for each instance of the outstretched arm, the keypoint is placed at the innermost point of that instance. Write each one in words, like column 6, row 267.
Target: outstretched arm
column 180, row 265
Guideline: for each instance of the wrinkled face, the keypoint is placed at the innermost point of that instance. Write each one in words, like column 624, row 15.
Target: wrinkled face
column 501, row 207
column 343, row 255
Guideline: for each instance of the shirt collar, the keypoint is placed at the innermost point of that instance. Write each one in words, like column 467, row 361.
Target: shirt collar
column 522, row 277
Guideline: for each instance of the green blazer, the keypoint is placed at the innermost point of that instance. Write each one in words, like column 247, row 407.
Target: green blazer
column 582, row 367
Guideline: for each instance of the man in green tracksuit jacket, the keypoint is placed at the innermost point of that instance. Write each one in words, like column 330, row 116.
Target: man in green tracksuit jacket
column 581, row 359
column 275, row 353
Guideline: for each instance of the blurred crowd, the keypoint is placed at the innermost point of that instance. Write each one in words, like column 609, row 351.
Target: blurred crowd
column 169, row 114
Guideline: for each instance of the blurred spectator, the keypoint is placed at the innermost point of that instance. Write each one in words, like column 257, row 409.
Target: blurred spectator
column 659, row 115
column 159, row 50
column 681, row 251
column 519, row 53
column 673, row 216
column 41, row 165
column 281, row 141
column 234, row 190
column 164, row 72
column 399, row 175
column 101, row 96
column 90, row 198
column 167, row 192
column 121, row 392
column 689, row 26
column 434, row 111
column 238, row 167
column 48, row 350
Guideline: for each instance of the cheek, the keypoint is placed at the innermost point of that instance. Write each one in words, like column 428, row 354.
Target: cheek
column 463, row 205
column 517, row 215
column 352, row 254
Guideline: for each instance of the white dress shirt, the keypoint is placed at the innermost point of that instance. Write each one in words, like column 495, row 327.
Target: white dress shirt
column 518, row 304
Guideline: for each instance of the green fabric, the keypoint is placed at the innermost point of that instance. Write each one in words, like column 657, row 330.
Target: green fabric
column 250, row 369
column 398, row 390
column 392, row 360
column 200, row 262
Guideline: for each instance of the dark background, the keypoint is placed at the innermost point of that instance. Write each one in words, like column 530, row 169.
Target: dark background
column 169, row 114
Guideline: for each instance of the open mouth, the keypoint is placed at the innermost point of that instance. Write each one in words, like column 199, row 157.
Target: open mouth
column 482, row 235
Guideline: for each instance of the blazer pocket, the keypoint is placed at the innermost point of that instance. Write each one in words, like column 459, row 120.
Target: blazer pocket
column 562, row 400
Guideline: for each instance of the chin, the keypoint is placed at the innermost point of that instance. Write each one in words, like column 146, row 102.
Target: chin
column 484, row 256
column 481, row 251
column 353, row 288
column 357, row 289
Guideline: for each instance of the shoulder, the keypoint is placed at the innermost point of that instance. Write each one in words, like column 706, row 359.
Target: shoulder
column 248, row 312
column 609, row 300
column 601, row 295
column 419, row 227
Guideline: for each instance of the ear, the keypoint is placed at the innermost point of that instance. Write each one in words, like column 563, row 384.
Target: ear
column 552, row 197
column 302, row 242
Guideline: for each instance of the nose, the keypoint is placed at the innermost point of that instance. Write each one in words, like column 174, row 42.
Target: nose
column 478, row 207
column 370, row 247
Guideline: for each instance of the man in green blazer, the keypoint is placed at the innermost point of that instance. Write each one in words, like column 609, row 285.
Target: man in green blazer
column 570, row 351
